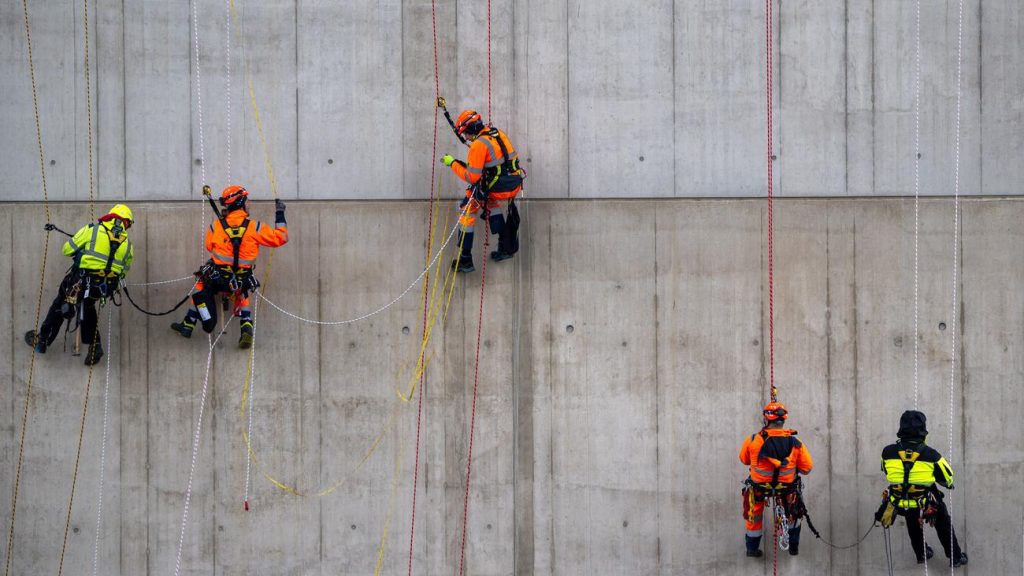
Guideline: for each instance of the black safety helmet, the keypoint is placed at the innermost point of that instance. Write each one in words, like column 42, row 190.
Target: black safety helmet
column 913, row 426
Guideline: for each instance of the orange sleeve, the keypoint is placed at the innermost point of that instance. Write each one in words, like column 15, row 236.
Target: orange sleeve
column 210, row 234
column 473, row 170
column 745, row 451
column 271, row 237
column 804, row 463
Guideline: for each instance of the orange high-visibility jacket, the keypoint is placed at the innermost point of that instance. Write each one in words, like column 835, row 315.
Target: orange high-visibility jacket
column 763, row 464
column 256, row 234
column 484, row 152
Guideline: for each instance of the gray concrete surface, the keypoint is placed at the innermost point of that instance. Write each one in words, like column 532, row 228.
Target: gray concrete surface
column 604, row 448
column 602, row 98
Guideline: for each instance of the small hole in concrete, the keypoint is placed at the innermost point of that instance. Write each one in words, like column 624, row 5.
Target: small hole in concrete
column 199, row 161
column 53, row 162
column 641, row 158
column 352, row 345
column 623, row 343
column 942, row 325
column 405, row 329
column 625, row 523
column 330, row 160
column 75, row 529
column 488, row 526
column 774, row 157
column 529, row 159
column 569, row 329
column 755, row 342
column 353, row 526
column 918, row 155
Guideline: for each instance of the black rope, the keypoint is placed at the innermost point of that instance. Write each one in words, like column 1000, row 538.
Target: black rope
column 888, row 550
column 443, row 105
column 831, row 545
column 147, row 312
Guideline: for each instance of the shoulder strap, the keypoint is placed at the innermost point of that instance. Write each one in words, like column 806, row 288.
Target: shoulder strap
column 235, row 235
column 506, row 163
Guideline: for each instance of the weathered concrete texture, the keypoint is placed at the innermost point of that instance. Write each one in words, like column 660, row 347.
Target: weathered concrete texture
column 624, row 356
column 602, row 98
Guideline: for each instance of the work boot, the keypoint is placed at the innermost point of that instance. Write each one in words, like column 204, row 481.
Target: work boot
column 753, row 546
column 33, row 340
column 94, row 354
column 960, row 560
column 246, row 337
column 794, row 549
column 928, row 553
column 464, row 263
column 508, row 245
column 183, row 328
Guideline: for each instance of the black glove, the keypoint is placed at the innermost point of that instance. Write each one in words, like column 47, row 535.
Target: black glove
column 279, row 211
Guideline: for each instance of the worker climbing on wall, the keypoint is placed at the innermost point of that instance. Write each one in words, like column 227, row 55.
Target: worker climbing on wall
column 495, row 178
column 233, row 241
column 913, row 469
column 776, row 459
column 101, row 255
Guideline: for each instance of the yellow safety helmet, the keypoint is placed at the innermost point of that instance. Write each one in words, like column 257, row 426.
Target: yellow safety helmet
column 120, row 212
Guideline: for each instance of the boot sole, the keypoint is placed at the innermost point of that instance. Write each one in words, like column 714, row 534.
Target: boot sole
column 245, row 342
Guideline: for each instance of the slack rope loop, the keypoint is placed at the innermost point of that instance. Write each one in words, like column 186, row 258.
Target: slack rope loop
column 174, row 281
column 437, row 299
column 39, row 300
column 165, row 313
column 421, row 276
column 195, row 444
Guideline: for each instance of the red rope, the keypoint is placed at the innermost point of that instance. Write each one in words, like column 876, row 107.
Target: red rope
column 472, row 420
column 768, row 44
column 426, row 285
column 489, row 118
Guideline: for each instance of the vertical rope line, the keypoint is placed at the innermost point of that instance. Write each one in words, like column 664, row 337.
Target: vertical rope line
column 199, row 107
column 917, row 193
column 227, row 73
column 251, row 393
column 472, row 421
column 956, row 250
column 103, row 454
column 88, row 110
column 426, row 279
column 39, row 297
column 489, row 117
column 195, row 444
column 78, row 451
column 769, row 44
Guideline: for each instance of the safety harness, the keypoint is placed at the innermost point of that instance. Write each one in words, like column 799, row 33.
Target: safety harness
column 235, row 235
column 504, row 177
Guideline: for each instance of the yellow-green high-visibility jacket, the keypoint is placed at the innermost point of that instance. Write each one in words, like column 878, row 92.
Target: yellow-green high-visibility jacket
column 91, row 248
column 913, row 469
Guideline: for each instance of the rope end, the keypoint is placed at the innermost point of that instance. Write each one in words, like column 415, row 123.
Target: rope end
column 246, row 505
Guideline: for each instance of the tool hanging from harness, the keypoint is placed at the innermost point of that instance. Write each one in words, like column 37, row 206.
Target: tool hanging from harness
column 907, row 496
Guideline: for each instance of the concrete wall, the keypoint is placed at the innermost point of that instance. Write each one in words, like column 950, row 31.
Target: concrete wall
column 603, row 98
column 624, row 358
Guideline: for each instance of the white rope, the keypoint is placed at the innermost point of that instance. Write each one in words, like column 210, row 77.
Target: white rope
column 199, row 102
column 140, row 284
column 917, row 192
column 252, row 389
column 956, row 253
column 195, row 444
column 103, row 455
column 227, row 74
column 377, row 311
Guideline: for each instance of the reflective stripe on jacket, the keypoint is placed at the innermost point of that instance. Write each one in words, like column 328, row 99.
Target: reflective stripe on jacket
column 218, row 243
column 763, row 467
column 90, row 247
column 919, row 466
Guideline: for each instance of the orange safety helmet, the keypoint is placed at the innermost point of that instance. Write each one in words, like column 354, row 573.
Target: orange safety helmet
column 774, row 411
column 469, row 120
column 233, row 197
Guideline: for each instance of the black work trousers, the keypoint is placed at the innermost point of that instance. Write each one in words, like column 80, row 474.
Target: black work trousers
column 943, row 526
column 60, row 310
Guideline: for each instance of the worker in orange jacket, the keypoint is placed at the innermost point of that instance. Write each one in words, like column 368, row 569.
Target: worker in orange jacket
column 233, row 241
column 492, row 171
column 775, row 457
